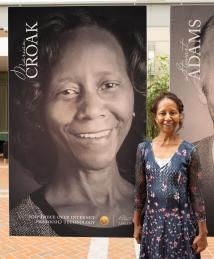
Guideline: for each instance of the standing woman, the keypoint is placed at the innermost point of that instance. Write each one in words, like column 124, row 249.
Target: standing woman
column 167, row 189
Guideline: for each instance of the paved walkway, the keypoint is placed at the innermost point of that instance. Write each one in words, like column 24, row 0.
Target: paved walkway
column 61, row 247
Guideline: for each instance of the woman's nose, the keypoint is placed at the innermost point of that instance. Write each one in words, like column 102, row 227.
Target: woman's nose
column 90, row 106
column 168, row 116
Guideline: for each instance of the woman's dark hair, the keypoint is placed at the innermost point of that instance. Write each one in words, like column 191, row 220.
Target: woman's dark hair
column 30, row 143
column 171, row 96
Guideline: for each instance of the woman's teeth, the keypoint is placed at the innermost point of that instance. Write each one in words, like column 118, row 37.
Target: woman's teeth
column 100, row 134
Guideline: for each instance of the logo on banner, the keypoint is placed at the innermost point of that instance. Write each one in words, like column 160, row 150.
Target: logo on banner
column 104, row 220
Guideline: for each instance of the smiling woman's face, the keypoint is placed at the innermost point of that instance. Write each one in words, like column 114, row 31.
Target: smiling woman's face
column 90, row 99
column 167, row 116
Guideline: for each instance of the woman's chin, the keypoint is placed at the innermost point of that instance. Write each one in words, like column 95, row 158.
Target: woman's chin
column 96, row 163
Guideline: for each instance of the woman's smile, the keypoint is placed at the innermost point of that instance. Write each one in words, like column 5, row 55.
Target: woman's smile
column 94, row 135
column 168, row 123
column 101, row 138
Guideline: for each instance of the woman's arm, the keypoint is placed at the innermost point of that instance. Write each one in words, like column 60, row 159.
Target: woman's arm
column 137, row 226
column 195, row 173
column 140, row 192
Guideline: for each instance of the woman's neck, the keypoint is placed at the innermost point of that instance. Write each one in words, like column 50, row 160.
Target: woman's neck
column 78, row 185
column 86, row 192
column 164, row 146
column 164, row 139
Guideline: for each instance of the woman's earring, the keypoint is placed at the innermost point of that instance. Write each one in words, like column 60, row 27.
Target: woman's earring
column 133, row 114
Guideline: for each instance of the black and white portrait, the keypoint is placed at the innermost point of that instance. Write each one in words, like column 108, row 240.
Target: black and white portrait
column 77, row 111
column 192, row 66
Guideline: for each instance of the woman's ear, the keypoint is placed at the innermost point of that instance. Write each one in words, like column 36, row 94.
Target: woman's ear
column 181, row 117
column 198, row 85
column 154, row 119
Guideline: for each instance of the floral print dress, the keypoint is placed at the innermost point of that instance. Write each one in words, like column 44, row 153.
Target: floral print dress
column 170, row 200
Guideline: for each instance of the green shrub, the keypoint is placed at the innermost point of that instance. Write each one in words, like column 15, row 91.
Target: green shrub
column 157, row 82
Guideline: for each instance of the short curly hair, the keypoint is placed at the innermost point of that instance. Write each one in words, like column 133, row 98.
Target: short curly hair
column 30, row 143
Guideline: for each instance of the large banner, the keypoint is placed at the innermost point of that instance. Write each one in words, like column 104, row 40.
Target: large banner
column 77, row 89
column 191, row 71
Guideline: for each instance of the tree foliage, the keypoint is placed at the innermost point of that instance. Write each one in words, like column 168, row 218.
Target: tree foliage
column 157, row 82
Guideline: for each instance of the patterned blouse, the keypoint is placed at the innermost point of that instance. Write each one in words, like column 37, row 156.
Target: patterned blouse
column 184, row 178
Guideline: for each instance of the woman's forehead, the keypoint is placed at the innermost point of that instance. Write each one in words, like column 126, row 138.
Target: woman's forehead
column 90, row 52
column 87, row 41
column 167, row 103
column 91, row 35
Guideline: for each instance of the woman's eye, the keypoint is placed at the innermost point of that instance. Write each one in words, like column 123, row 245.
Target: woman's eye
column 173, row 113
column 109, row 86
column 162, row 113
column 69, row 93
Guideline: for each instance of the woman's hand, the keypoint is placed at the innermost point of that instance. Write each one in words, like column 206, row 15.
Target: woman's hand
column 199, row 243
column 137, row 233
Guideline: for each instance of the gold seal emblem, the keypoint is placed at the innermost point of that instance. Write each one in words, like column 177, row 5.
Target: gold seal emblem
column 104, row 220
